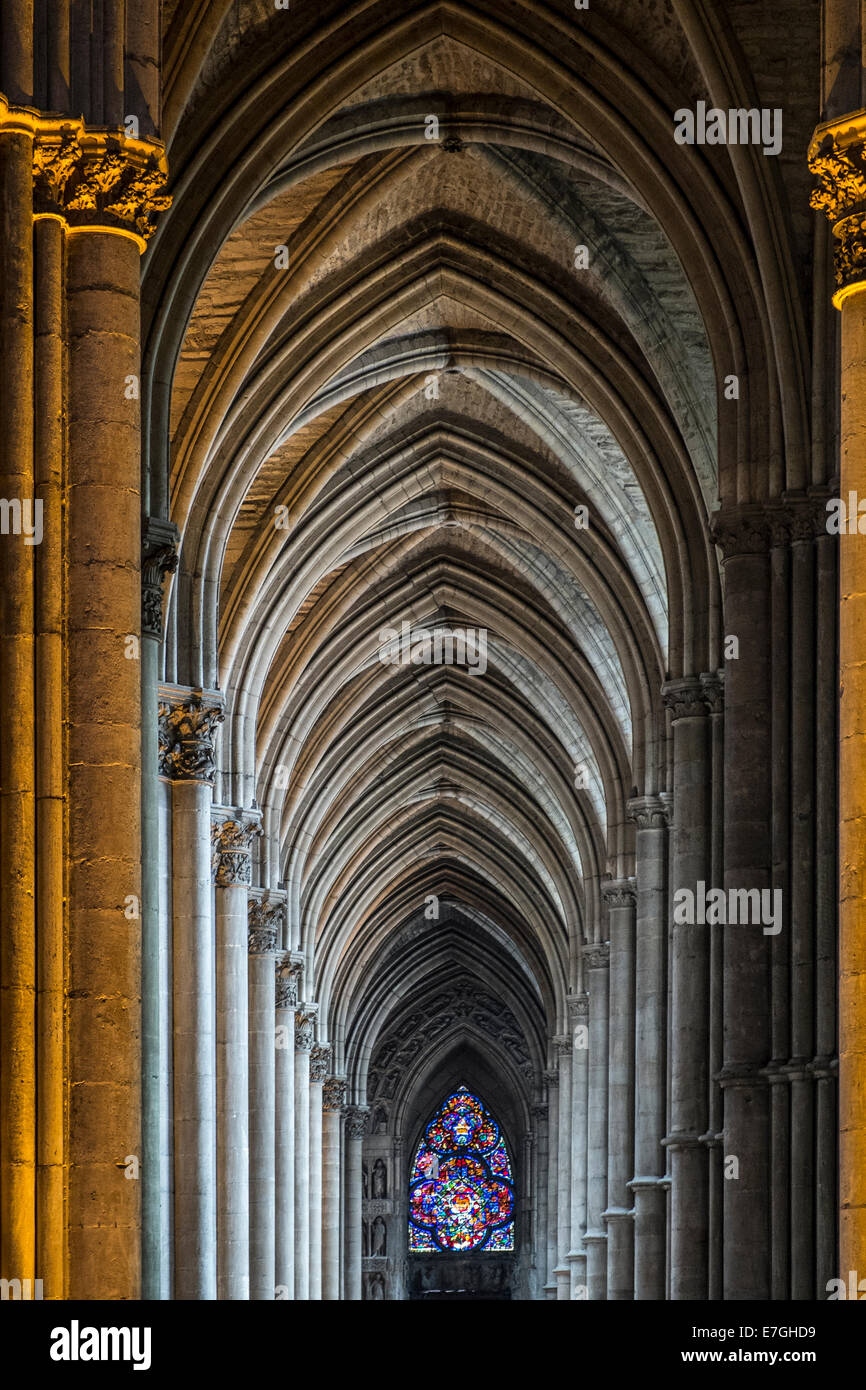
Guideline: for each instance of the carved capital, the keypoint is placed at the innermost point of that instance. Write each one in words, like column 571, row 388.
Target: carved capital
column 713, row 686
column 98, row 178
column 231, row 851
column 562, row 1045
column 742, row 530
column 333, row 1093
column 649, row 812
column 264, row 920
column 159, row 543
column 320, row 1061
column 552, row 1079
column 837, row 158
column 578, row 1007
column 684, row 698
column 620, row 892
column 597, row 957
column 305, row 1027
column 356, row 1121
column 188, row 721
column 288, row 981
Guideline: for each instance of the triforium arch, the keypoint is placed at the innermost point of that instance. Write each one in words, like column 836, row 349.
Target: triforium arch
column 434, row 535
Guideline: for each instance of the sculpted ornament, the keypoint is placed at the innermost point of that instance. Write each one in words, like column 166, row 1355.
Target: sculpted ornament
column 356, row 1122
column 837, row 157
column 333, row 1093
column 597, row 957
column 304, row 1029
column 187, row 729
column 288, row 978
column 158, row 558
column 98, row 178
column 231, row 843
column 320, row 1061
column 263, row 926
column 620, row 893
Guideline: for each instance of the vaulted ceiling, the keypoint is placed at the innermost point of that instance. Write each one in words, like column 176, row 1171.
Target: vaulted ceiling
column 437, row 277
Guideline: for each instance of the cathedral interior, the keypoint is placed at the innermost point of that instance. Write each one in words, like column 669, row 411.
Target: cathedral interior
column 431, row 836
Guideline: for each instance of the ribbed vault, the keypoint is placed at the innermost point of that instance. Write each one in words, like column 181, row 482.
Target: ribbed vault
column 403, row 358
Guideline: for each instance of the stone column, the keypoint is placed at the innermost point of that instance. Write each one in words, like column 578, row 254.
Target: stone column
column 542, row 1155
column 333, row 1096
column 596, row 960
column 690, row 980
column 49, row 468
column 159, row 558
column 320, row 1062
column 836, row 158
column 562, row 1272
column 579, row 1011
column 356, row 1123
column 552, row 1079
column 18, row 1081
column 304, row 1038
column 650, row 814
column 187, row 727
column 232, row 876
column 743, row 533
column 620, row 899
column 288, row 971
column 264, row 920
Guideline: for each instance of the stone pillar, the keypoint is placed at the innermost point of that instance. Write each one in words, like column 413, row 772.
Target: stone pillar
column 620, row 899
column 743, row 533
column 552, row 1079
column 596, row 961
column 578, row 1005
column 18, row 1082
column 562, row 1272
column 232, row 876
column 187, row 725
column 689, row 987
column 159, row 558
column 714, row 688
column 836, row 158
column 320, row 1061
column 356, row 1123
column 333, row 1096
column 304, row 1038
column 264, row 921
column 650, row 815
column 542, row 1160
column 288, row 971
column 49, row 468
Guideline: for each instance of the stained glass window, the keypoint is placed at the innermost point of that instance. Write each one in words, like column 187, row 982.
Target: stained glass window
column 461, row 1194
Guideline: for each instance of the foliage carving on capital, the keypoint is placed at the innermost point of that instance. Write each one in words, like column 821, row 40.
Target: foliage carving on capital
column 649, row 812
column 98, row 178
column 837, row 158
column 158, row 558
column 231, row 851
column 741, row 530
column 597, row 956
column 621, row 892
column 333, row 1093
column 288, row 977
column 187, row 730
column 356, row 1121
column 264, row 920
column 684, row 698
column 578, row 1007
column 320, row 1061
column 305, row 1029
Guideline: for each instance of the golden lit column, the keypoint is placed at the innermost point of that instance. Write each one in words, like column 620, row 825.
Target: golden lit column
column 104, row 187
column 17, row 693
column 837, row 156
